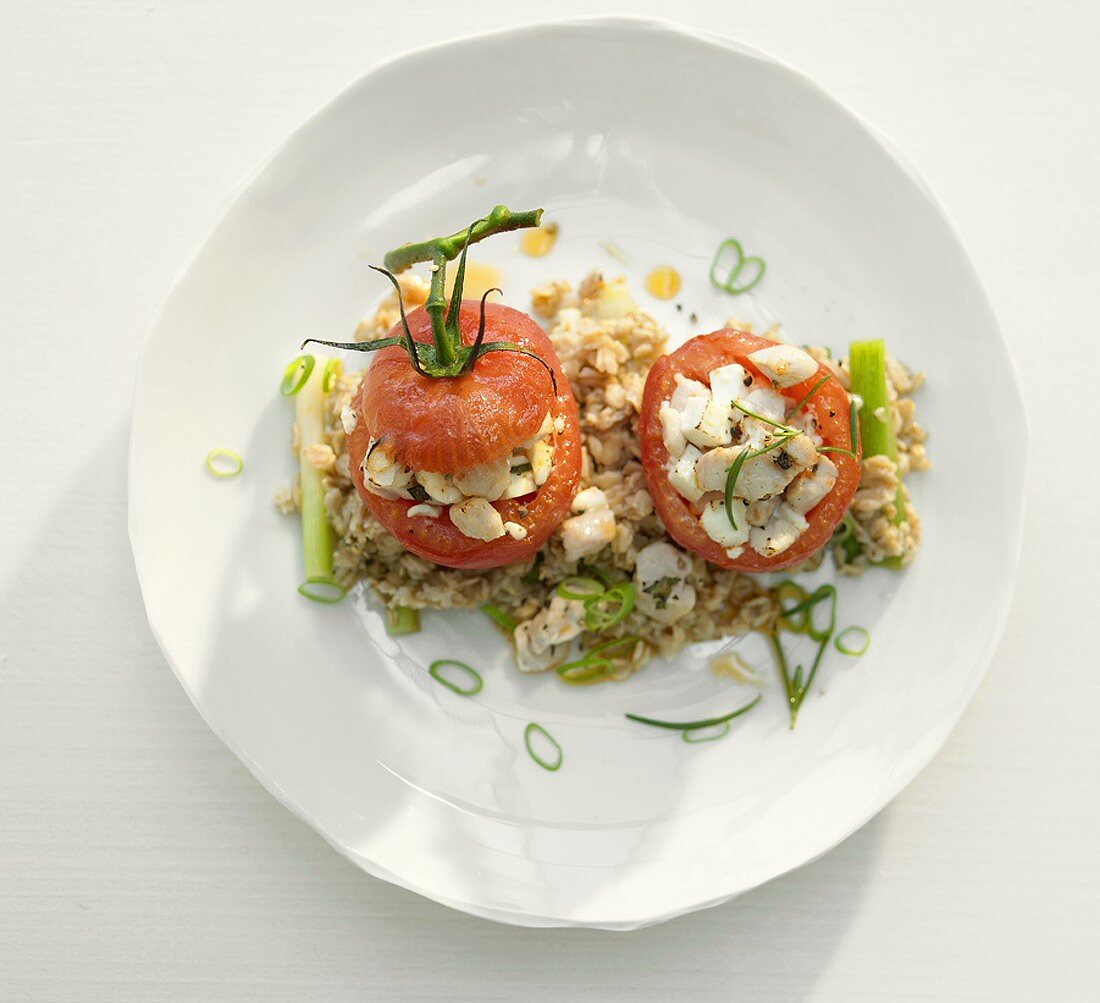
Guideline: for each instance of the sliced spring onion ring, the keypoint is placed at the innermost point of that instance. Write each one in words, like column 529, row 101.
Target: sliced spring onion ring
column 322, row 590
column 224, row 463
column 695, row 725
column 533, row 729
column 605, row 611
column 296, row 374
column 691, row 735
column 435, row 670
column 729, row 283
column 860, row 632
column 333, row 370
column 402, row 621
column 580, row 588
column 505, row 622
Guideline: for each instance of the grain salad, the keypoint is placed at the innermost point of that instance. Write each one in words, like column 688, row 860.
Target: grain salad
column 606, row 346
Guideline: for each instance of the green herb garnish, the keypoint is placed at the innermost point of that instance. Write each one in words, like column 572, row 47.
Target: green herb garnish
column 694, row 725
column 475, row 682
column 728, row 283
column 224, row 463
column 533, row 729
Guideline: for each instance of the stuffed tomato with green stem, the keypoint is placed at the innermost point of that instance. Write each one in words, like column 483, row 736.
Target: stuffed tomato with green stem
column 464, row 437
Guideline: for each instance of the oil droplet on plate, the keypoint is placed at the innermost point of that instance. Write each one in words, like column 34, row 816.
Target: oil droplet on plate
column 663, row 282
column 538, row 243
column 479, row 278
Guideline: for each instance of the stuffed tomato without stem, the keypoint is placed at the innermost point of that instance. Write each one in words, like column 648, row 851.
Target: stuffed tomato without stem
column 464, row 438
column 748, row 449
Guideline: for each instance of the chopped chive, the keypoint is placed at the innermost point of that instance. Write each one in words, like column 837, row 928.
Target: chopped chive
column 534, row 729
column 224, row 463
column 597, row 662
column 691, row 734
column 402, row 621
column 860, row 632
column 322, row 590
column 505, row 622
column 296, row 374
column 580, row 588
column 694, row 725
column 729, row 282
column 813, row 390
column 435, row 670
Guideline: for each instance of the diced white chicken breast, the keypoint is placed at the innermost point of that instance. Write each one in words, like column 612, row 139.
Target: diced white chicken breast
column 383, row 475
column 685, row 389
column 784, row 364
column 477, row 519
column 660, row 580
column 759, row 512
column 425, row 510
column 811, row 486
column 440, row 488
column 520, row 485
column 672, row 429
column 541, row 641
column 692, row 412
column 765, row 475
column 717, row 526
column 783, row 528
column 805, row 422
column 766, row 403
column 541, row 455
column 589, row 498
column 489, row 480
column 587, row 533
column 727, row 383
column 348, row 418
column 682, row 475
column 515, row 530
column 713, row 427
column 713, row 466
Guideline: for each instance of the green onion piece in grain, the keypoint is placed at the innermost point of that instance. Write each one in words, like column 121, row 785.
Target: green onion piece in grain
column 597, row 662
column 786, row 591
column 693, row 725
column 402, row 621
column 224, row 463
column 333, row 370
column 296, row 375
column 505, row 622
column 319, row 585
column 529, row 733
column 531, row 575
column 580, row 588
column 867, row 363
column 609, row 609
column 859, row 632
column 436, row 671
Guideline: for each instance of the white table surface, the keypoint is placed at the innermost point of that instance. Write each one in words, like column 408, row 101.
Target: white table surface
column 140, row 861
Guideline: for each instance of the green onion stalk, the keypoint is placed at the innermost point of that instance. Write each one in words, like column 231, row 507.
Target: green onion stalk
column 867, row 363
column 319, row 584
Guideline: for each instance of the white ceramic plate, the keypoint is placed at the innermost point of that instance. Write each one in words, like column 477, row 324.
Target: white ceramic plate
column 663, row 141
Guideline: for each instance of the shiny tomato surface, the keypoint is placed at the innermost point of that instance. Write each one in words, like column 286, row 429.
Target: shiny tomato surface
column 450, row 425
column 696, row 359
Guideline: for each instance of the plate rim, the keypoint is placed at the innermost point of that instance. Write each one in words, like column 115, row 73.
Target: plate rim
column 907, row 770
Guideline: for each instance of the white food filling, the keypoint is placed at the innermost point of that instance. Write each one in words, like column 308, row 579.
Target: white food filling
column 466, row 497
column 705, row 433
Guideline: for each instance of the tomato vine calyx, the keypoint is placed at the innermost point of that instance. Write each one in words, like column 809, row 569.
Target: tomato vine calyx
column 445, row 356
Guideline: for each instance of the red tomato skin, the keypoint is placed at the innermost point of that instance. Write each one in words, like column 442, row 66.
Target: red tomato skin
column 696, row 359
column 460, row 402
